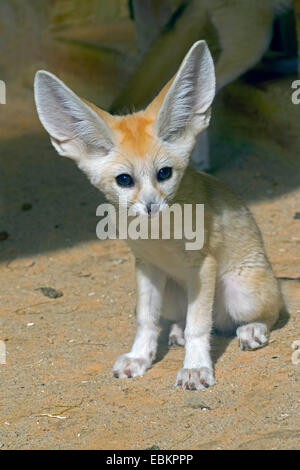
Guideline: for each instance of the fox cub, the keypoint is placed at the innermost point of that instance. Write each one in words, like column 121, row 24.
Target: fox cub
column 142, row 160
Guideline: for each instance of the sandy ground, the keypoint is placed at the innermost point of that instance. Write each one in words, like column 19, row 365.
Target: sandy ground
column 57, row 389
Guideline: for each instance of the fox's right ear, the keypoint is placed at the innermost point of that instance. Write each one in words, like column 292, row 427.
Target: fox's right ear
column 187, row 98
column 75, row 129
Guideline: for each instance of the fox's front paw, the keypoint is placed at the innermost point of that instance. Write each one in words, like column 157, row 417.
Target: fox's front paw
column 127, row 367
column 195, row 379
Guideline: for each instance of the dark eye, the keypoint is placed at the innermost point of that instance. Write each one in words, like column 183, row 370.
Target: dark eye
column 164, row 173
column 125, row 180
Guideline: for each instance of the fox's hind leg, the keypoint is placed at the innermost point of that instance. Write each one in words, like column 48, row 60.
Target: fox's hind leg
column 176, row 335
column 248, row 300
column 174, row 309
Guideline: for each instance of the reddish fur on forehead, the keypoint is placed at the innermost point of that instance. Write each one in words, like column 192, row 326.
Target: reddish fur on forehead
column 135, row 133
column 136, row 130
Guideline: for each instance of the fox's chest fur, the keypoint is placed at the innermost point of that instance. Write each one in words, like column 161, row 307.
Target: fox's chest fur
column 167, row 255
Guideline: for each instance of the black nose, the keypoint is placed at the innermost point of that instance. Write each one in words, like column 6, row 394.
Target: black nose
column 148, row 207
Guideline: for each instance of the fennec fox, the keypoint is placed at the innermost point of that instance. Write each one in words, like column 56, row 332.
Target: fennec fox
column 141, row 159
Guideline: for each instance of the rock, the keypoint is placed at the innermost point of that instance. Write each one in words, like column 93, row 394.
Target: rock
column 50, row 292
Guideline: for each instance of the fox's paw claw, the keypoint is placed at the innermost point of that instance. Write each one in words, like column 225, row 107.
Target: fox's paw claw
column 252, row 336
column 128, row 367
column 195, row 379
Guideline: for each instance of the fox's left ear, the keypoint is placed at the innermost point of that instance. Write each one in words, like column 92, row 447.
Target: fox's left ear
column 186, row 105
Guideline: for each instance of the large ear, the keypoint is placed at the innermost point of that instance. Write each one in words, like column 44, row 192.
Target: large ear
column 75, row 129
column 186, row 105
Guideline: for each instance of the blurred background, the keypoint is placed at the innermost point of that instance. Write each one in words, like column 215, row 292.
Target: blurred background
column 118, row 54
